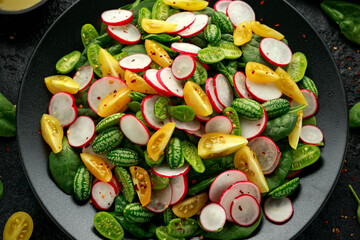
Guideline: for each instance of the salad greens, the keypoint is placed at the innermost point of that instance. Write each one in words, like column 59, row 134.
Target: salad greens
column 7, row 118
column 357, row 200
column 354, row 116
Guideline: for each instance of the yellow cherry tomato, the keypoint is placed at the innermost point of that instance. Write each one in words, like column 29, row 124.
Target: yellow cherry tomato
column 97, row 167
column 159, row 140
column 265, row 31
column 61, row 83
column 246, row 161
column 142, row 184
column 195, row 97
column 260, row 73
column 157, row 53
column 289, row 87
column 137, row 83
column 190, row 5
column 242, row 33
column 214, row 145
column 157, row 26
column 114, row 103
column 190, row 206
column 52, row 132
column 109, row 65
column 295, row 134
column 18, row 227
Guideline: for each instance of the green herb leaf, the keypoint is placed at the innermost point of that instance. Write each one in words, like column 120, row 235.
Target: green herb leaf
column 354, row 116
column 7, row 118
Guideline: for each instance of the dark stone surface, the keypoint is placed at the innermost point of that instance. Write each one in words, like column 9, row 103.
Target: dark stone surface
column 19, row 36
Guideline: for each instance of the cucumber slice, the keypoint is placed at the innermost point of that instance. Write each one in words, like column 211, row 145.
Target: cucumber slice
column 107, row 226
column 191, row 155
column 211, row 55
column 68, row 62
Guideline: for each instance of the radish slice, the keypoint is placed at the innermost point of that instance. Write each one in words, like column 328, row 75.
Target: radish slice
column 200, row 133
column 202, row 118
column 127, row 34
column 223, row 181
column 147, row 110
column 219, row 124
column 88, row 149
column 266, row 152
column 83, row 76
column 235, row 190
column 179, row 186
column 223, row 90
column 311, row 134
column 201, row 20
column 275, row 52
column 239, row 11
column 152, row 80
column 191, row 126
column 210, row 92
column 101, row 89
column 185, row 48
column 222, row 5
column 203, row 64
column 312, row 101
column 262, row 92
column 116, row 184
column 103, row 195
column 117, row 17
column 245, row 210
column 62, row 106
column 160, row 199
column 134, row 129
column 169, row 82
column 212, row 217
column 278, row 210
column 164, row 171
column 136, row 62
column 239, row 84
column 81, row 132
column 182, row 20
column 293, row 173
column 183, row 67
column 251, row 129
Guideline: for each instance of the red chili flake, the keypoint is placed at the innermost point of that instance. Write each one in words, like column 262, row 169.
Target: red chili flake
column 98, row 98
column 348, row 58
column 240, row 208
column 358, row 89
column 342, row 178
column 253, row 72
column 193, row 181
column 261, row 19
column 326, row 221
column 176, row 224
column 133, row 60
column 115, row 91
column 180, row 229
column 136, row 187
column 343, row 170
column 39, row 131
column 303, row 35
column 183, row 219
column 352, row 178
column 7, row 149
column 359, row 73
column 155, row 208
column 133, row 81
column 262, row 2
column 276, row 25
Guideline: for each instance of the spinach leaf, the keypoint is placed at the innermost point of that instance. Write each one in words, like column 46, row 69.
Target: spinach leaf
column 137, row 5
column 163, row 37
column 277, row 178
column 354, row 116
column 347, row 15
column 280, row 127
column 136, row 48
column 7, row 118
column 63, row 167
column 224, row 70
column 1, row 189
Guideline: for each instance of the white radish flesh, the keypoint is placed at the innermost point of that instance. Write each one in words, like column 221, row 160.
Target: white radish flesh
column 160, row 199
column 212, row 217
column 179, row 186
column 185, row 48
column 103, row 195
column 245, row 210
column 81, row 132
column 312, row 102
column 147, row 110
column 222, row 5
column 136, row 62
column 275, row 52
column 240, row 87
column 202, row 118
column 83, row 76
column 62, row 106
column 200, row 133
column 182, row 20
column 192, row 126
column 223, row 90
column 251, row 129
column 117, row 17
column 219, row 124
column 134, row 129
column 278, row 210
column 169, row 82
column 197, row 26
column 183, row 67
column 152, row 80
column 311, row 134
column 165, row 171
column 127, row 34
column 262, row 92
column 210, row 91
column 239, row 11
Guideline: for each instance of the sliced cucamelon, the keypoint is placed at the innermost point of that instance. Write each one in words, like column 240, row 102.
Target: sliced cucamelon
column 174, row 153
column 211, row 55
column 248, row 108
column 308, row 83
column 276, row 107
column 305, row 156
column 136, row 213
column 124, row 157
column 234, row 118
column 161, row 107
column 109, row 121
column 158, row 182
column 68, row 62
column 230, row 50
column 200, row 75
column 183, row 113
column 107, row 226
column 120, row 203
column 212, row 33
column 107, row 140
column 123, row 176
column 134, row 229
column 168, row 216
column 191, row 155
column 286, row 189
column 82, row 183
column 223, row 22
column 188, row 227
column 162, row 234
column 88, row 34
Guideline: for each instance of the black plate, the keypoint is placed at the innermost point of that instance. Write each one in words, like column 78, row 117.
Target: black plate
column 76, row 220
column 6, row 12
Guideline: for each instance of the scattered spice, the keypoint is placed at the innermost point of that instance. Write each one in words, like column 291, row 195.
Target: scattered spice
column 335, row 48
column 7, row 149
column 303, row 35
column 262, row 2
column 276, row 25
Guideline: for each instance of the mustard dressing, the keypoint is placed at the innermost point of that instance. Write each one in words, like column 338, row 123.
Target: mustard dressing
column 16, row 5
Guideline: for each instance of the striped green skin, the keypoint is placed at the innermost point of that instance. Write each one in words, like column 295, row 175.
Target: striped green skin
column 183, row 113
column 199, row 187
column 211, row 55
column 168, row 216
column 161, row 234
column 174, row 153
column 212, row 33
column 308, row 83
column 230, row 50
column 124, row 178
column 234, row 118
column 126, row 143
column 151, row 162
column 276, row 107
column 305, row 156
column 136, row 213
column 124, row 157
column 248, row 109
column 134, row 229
column 223, row 22
column 143, row 13
column 161, row 107
column 180, row 227
column 310, row 120
column 107, row 140
column 110, row 121
column 158, row 182
column 286, row 189
column 88, row 34
column 120, row 203
column 200, row 75
column 107, row 226
column 191, row 155
column 160, row 10
column 82, row 183
column 93, row 57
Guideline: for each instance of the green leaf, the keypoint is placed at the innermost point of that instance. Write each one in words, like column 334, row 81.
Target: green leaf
column 277, row 178
column 354, row 116
column 7, row 118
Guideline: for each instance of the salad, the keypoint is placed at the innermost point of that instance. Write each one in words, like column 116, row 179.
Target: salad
column 180, row 120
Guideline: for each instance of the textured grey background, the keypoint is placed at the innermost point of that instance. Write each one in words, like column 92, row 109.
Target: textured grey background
column 19, row 36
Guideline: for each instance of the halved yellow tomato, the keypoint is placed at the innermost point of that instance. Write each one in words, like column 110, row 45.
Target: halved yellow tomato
column 260, row 73
column 246, row 161
column 159, row 140
column 109, row 65
column 52, row 132
column 137, row 83
column 242, row 33
column 157, row 53
column 142, row 184
column 190, row 206
column 289, row 87
column 264, row 30
column 190, row 5
column 157, row 26
column 295, row 134
column 18, row 227
column 61, row 83
column 114, row 102
column 195, row 97
column 97, row 167
column 214, row 145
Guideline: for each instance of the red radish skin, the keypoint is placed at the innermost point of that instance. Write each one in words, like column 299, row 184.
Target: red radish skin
column 134, row 129
column 200, row 133
column 251, row 129
column 292, row 174
column 219, row 124
column 182, row 20
column 185, row 48
column 103, row 195
column 63, row 107
column 147, row 110
column 179, row 187
column 84, row 76
column 311, row 134
column 262, row 92
column 81, row 132
column 223, row 181
column 160, row 199
column 127, row 34
column 202, row 118
column 312, row 101
column 278, row 210
column 272, row 169
column 192, row 126
column 183, row 67
column 239, row 11
column 223, row 90
column 165, row 171
column 222, row 5
column 212, row 217
column 203, row 64
column 197, row 26
column 151, row 79
column 239, row 84
column 116, row 184
column 88, row 149
column 117, row 17
column 245, row 210
column 136, row 62
column 169, row 82
column 210, row 92
column 275, row 52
